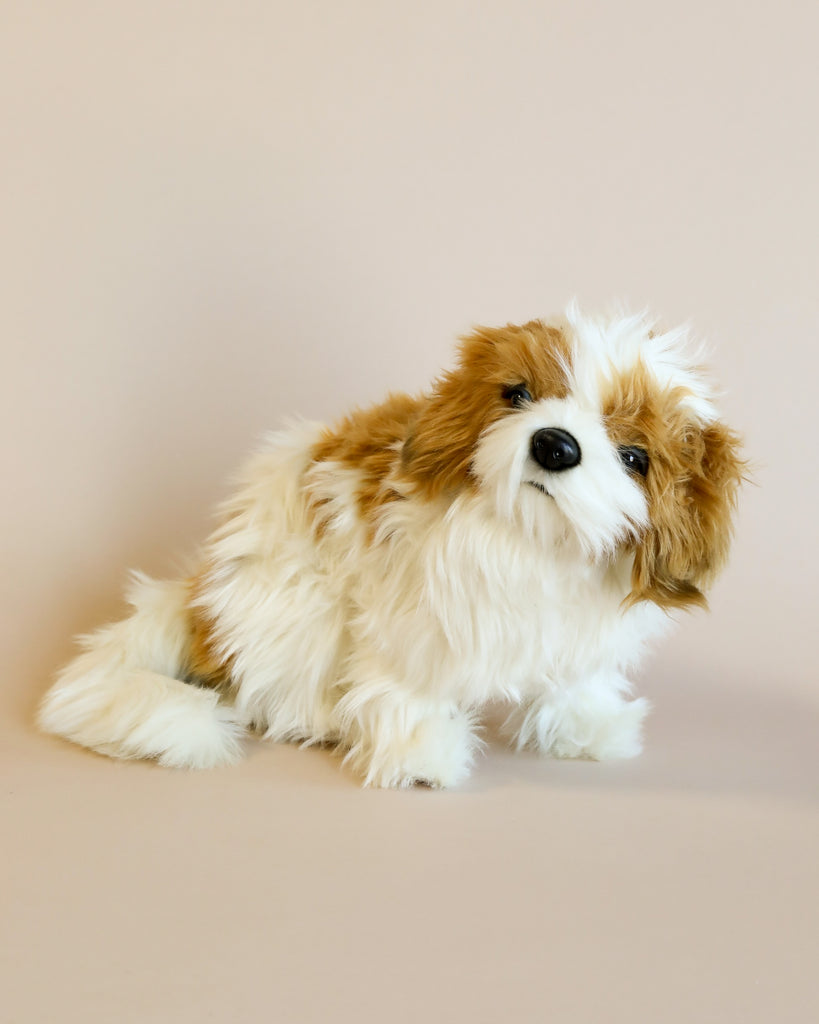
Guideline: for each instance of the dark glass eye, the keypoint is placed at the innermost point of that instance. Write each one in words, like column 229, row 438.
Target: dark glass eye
column 635, row 459
column 518, row 396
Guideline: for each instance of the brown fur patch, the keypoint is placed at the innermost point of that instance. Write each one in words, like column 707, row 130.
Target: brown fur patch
column 691, row 486
column 370, row 441
column 205, row 665
column 438, row 453
column 426, row 444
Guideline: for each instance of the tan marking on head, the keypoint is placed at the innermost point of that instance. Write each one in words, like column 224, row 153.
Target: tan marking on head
column 438, row 453
column 691, row 488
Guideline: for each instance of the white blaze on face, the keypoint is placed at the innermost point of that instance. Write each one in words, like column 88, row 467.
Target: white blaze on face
column 603, row 349
column 598, row 498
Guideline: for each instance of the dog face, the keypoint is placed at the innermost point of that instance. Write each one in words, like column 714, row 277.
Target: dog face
column 602, row 435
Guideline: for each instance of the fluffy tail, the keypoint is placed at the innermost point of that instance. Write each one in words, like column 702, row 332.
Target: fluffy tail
column 123, row 696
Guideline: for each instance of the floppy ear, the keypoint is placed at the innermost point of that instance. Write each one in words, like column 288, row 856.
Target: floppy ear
column 691, row 508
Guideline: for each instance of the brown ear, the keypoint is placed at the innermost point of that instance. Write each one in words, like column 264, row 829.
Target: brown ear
column 691, row 505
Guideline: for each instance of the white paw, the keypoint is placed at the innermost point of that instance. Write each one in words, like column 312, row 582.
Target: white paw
column 618, row 734
column 437, row 751
column 591, row 722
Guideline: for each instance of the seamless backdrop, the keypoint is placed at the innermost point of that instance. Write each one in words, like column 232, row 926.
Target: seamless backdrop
column 218, row 215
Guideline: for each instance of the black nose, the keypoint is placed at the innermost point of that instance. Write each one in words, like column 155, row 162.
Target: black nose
column 555, row 449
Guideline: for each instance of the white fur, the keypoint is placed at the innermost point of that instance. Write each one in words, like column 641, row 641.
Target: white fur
column 121, row 697
column 389, row 646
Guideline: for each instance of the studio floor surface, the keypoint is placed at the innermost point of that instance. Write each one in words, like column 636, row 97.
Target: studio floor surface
column 680, row 887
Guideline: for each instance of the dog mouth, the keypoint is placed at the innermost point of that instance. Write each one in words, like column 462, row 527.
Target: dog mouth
column 538, row 486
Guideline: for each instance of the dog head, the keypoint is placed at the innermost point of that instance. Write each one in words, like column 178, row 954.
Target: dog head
column 600, row 434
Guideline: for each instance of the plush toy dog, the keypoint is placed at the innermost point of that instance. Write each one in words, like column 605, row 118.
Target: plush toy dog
column 520, row 532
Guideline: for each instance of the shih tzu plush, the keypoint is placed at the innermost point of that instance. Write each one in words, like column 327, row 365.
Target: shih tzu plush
column 519, row 532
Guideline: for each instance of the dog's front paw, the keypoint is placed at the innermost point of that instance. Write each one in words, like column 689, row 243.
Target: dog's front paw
column 593, row 722
column 436, row 751
column 613, row 735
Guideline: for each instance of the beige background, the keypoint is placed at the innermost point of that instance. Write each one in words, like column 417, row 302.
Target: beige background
column 217, row 214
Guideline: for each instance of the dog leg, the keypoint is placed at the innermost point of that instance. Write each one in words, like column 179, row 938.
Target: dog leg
column 396, row 740
column 591, row 719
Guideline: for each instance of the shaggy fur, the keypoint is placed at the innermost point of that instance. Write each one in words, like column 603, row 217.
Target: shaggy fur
column 372, row 585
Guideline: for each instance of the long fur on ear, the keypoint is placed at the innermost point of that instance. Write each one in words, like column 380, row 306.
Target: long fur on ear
column 691, row 510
